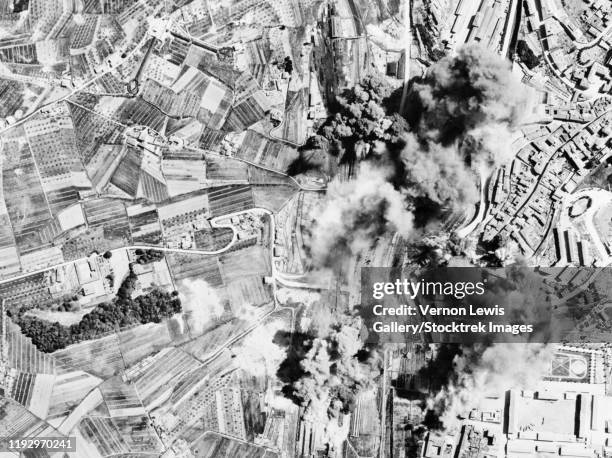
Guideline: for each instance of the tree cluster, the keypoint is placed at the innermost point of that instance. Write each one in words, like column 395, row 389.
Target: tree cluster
column 526, row 55
column 107, row 317
column 69, row 305
column 147, row 256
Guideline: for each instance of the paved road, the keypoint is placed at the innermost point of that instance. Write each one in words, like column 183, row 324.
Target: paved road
column 71, row 93
column 214, row 222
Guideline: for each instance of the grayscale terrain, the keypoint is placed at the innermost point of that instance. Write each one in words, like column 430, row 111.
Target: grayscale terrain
column 190, row 188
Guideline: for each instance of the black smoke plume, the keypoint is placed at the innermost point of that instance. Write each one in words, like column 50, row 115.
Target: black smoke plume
column 461, row 119
column 328, row 367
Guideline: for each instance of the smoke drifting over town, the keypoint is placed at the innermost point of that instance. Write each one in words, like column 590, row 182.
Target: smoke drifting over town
column 460, row 94
column 481, row 371
column 460, row 111
column 431, row 164
column 437, row 173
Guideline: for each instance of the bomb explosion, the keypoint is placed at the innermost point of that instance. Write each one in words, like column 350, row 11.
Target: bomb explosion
column 459, row 112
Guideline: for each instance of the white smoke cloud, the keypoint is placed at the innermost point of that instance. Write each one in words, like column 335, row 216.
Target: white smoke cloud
column 335, row 433
column 295, row 295
column 482, row 372
column 355, row 213
column 201, row 304
column 257, row 354
column 496, row 141
column 249, row 312
column 279, row 402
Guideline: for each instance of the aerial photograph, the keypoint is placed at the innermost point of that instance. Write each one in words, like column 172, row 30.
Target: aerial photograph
column 305, row 228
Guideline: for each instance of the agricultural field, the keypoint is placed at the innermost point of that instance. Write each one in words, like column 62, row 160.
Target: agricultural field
column 219, row 168
column 144, row 149
column 9, row 257
column 121, row 399
column 26, row 292
column 69, row 389
column 155, row 376
column 92, row 131
column 183, row 104
column 19, row 422
column 33, row 391
column 184, row 175
column 273, row 197
column 230, row 199
column 126, row 176
column 26, row 203
column 259, row 176
column 212, row 445
column 244, row 114
column 210, row 139
column 266, row 152
column 139, row 112
column 12, row 97
column 110, row 215
column 85, row 243
column 25, row 357
column 248, row 290
column 141, row 341
column 103, row 163
column 293, row 128
column 247, row 261
column 100, row 357
column 205, row 345
column 144, row 225
column 184, row 265
column 112, row 436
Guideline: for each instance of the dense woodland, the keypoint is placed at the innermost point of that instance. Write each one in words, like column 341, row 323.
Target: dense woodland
column 122, row 311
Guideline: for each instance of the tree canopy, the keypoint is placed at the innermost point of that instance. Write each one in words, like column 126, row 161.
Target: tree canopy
column 107, row 317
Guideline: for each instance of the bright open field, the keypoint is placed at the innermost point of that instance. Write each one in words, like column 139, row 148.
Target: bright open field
column 248, row 290
column 224, row 168
column 141, row 341
column 25, row 200
column 69, row 390
column 272, row 197
column 251, row 260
